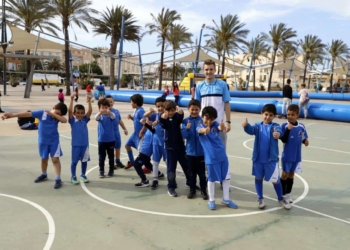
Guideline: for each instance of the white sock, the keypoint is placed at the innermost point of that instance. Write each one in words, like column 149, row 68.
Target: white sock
column 211, row 190
column 155, row 170
column 226, row 189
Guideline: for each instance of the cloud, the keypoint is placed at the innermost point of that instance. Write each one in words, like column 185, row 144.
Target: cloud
column 254, row 15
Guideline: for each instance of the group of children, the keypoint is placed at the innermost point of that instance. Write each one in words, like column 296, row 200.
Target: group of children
column 163, row 132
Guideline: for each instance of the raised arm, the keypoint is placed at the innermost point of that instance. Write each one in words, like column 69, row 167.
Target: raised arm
column 88, row 114
column 10, row 115
column 70, row 108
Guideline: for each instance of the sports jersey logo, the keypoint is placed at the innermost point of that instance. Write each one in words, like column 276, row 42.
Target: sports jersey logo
column 301, row 133
column 214, row 130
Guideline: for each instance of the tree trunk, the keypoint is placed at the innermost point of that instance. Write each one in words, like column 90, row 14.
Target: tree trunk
column 223, row 63
column 308, row 84
column 272, row 66
column 112, row 50
column 284, row 77
column 173, row 69
column 161, row 64
column 66, row 59
column 331, row 81
column 28, row 68
column 253, row 77
column 219, row 57
column 305, row 69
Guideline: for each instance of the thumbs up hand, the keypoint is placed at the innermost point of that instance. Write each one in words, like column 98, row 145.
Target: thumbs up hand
column 276, row 134
column 290, row 126
column 245, row 122
column 207, row 130
column 222, row 126
column 188, row 126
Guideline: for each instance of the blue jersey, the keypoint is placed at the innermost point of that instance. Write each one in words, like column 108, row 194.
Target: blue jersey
column 80, row 135
column 172, row 132
column 213, row 94
column 105, row 128
column 214, row 150
column 264, row 150
column 146, row 145
column 138, row 115
column 48, row 128
column 158, row 137
column 193, row 146
column 116, row 120
column 292, row 148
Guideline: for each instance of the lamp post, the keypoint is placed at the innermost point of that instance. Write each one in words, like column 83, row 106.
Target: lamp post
column 4, row 44
column 140, row 62
column 346, row 78
column 251, row 62
column 199, row 48
column 295, row 54
column 121, row 49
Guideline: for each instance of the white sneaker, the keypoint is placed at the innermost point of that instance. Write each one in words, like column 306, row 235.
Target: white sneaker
column 261, row 204
column 288, row 198
column 285, row 204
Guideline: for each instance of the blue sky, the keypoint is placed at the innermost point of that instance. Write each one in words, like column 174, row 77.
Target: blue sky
column 326, row 19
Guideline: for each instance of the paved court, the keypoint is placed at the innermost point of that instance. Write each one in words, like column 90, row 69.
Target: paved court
column 113, row 214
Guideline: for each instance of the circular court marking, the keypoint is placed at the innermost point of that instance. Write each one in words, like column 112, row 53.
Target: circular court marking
column 51, row 222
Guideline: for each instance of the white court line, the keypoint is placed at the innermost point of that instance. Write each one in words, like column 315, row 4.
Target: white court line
column 51, row 222
column 309, row 124
column 345, row 140
column 332, row 150
column 322, row 138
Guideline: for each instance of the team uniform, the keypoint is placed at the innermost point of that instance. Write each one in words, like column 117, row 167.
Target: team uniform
column 159, row 151
column 117, row 139
column 48, row 139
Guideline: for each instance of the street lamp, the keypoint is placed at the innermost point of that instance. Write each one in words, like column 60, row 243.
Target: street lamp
column 199, row 48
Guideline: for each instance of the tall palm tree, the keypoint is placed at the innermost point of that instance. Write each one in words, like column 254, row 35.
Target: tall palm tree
column 215, row 43
column 71, row 12
column 311, row 46
column 338, row 51
column 278, row 33
column 177, row 35
column 261, row 49
column 96, row 53
column 286, row 50
column 161, row 24
column 110, row 24
column 54, row 64
column 231, row 34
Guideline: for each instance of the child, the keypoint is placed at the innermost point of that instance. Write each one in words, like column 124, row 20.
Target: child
column 176, row 93
column 88, row 91
column 215, row 156
column 106, row 138
column 77, row 94
column 170, row 121
column 101, row 90
column 165, row 92
column 136, row 103
column 117, row 122
column 304, row 99
column 294, row 135
column 194, row 150
column 61, row 95
column 193, row 91
column 78, row 121
column 265, row 154
column 49, row 142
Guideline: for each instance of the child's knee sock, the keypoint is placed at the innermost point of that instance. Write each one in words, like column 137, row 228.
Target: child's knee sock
column 284, row 186
column 73, row 168
column 259, row 188
column 290, row 182
column 155, row 170
column 226, row 189
column 131, row 156
column 278, row 189
column 117, row 160
column 83, row 168
column 211, row 190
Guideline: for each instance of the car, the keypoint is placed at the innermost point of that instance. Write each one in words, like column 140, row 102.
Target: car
column 22, row 83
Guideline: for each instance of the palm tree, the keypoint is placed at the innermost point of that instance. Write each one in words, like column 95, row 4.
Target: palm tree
column 177, row 35
column 279, row 33
column 311, row 46
column 261, row 49
column 215, row 43
column 96, row 53
column 110, row 24
column 54, row 64
column 286, row 50
column 231, row 33
column 71, row 12
column 161, row 25
column 338, row 51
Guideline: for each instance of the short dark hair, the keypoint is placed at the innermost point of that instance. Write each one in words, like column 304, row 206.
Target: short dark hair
column 303, row 85
column 269, row 108
column 78, row 107
column 209, row 62
column 194, row 102
column 169, row 105
column 108, row 96
column 137, row 99
column 160, row 99
column 60, row 90
column 288, row 81
column 103, row 102
column 61, row 107
column 294, row 108
column 210, row 112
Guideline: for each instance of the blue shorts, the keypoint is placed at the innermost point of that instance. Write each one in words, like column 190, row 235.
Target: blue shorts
column 53, row 150
column 80, row 154
column 133, row 141
column 267, row 171
column 158, row 153
column 291, row 167
column 117, row 140
column 219, row 171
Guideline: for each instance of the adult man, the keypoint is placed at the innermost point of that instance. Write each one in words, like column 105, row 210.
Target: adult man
column 287, row 98
column 214, row 92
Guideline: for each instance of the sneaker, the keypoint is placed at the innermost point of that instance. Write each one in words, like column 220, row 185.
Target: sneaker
column 211, row 205
column 146, row 170
column 197, row 188
column 58, row 184
column 204, row 195
column 288, row 198
column 84, row 179
column 285, row 204
column 171, row 192
column 118, row 165
column 129, row 165
column 261, row 204
column 229, row 203
column 42, row 177
column 160, row 175
column 110, row 174
column 154, row 185
column 192, row 194
column 1, row 111
column 74, row 180
column 102, row 175
column 142, row 184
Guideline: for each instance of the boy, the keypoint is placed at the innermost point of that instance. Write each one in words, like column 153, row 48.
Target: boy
column 106, row 138
column 158, row 138
column 215, row 156
column 78, row 121
column 136, row 103
column 194, row 150
column 287, row 93
column 170, row 121
column 48, row 140
column 294, row 135
column 304, row 99
column 117, row 122
column 265, row 154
